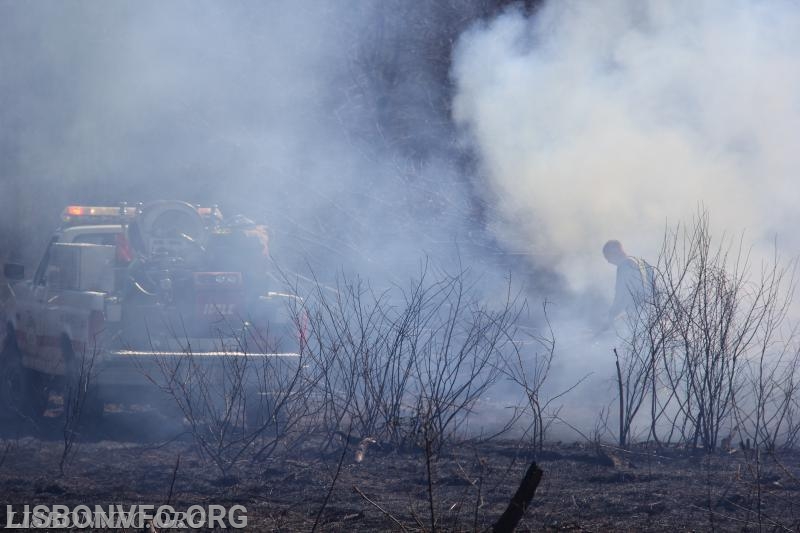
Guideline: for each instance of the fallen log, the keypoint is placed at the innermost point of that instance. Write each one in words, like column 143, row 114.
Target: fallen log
column 519, row 503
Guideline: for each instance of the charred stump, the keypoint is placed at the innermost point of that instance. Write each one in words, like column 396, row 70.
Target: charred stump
column 519, row 503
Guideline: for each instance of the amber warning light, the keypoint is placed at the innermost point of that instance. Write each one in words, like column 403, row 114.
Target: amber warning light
column 119, row 214
column 75, row 212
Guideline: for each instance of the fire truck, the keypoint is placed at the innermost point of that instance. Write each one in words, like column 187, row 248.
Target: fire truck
column 121, row 289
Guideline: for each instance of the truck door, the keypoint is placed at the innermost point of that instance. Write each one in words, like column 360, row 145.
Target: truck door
column 32, row 323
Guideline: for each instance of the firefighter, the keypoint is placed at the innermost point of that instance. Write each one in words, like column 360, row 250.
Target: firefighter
column 634, row 281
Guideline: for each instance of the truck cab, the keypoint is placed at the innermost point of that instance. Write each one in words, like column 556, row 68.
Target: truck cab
column 66, row 298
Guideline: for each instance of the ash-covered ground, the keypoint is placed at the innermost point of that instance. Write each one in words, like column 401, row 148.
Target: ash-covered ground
column 140, row 458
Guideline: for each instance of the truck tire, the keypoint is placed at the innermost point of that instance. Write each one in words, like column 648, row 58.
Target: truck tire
column 37, row 392
column 23, row 392
column 10, row 377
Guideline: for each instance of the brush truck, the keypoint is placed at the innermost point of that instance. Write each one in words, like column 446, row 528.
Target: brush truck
column 128, row 302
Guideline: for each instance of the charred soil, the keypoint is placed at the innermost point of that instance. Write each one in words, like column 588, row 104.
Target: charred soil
column 134, row 458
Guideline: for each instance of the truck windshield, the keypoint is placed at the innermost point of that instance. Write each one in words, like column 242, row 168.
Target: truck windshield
column 39, row 276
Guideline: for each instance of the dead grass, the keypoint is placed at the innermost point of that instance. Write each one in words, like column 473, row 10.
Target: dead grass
column 641, row 489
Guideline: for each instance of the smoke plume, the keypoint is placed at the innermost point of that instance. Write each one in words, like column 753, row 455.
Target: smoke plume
column 327, row 121
column 600, row 120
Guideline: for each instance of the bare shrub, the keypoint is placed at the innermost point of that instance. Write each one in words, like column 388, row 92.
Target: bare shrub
column 705, row 330
column 792, row 434
column 243, row 402
column 405, row 365
column 529, row 367
column 645, row 338
column 81, row 404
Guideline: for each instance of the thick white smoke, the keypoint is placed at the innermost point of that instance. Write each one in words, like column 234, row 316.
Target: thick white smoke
column 316, row 118
column 599, row 120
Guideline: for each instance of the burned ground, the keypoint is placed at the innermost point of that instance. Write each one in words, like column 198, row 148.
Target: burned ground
column 135, row 457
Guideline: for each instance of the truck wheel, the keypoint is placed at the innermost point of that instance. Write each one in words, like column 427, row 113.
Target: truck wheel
column 22, row 391
column 10, row 377
column 36, row 391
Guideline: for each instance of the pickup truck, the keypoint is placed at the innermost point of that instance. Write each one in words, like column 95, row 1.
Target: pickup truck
column 128, row 298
